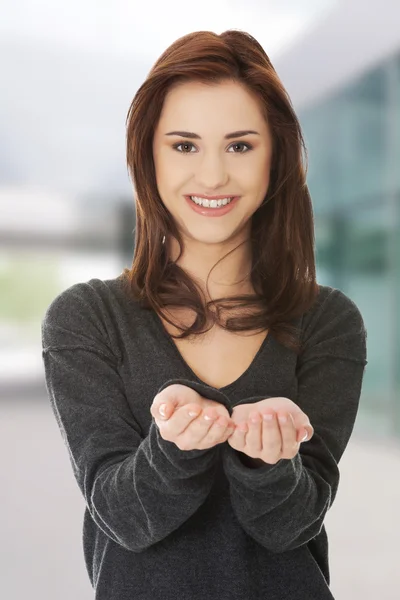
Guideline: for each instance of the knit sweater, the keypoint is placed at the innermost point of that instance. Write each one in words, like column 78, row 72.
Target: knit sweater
column 161, row 523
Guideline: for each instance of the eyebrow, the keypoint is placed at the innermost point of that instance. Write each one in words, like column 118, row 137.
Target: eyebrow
column 228, row 136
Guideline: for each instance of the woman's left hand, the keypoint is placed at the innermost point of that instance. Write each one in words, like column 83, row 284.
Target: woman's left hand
column 269, row 441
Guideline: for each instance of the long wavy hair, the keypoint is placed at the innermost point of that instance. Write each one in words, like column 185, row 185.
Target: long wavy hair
column 282, row 228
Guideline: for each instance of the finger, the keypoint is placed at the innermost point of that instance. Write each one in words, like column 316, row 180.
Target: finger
column 230, row 430
column 272, row 439
column 194, row 430
column 162, row 410
column 179, row 421
column 310, row 430
column 304, row 433
column 304, row 430
column 288, row 435
column 165, row 410
column 207, row 430
column 238, row 438
column 303, row 425
column 254, row 435
column 223, row 423
column 219, row 431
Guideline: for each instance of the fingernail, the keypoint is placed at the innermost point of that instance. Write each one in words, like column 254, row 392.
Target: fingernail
column 305, row 437
column 162, row 409
column 268, row 417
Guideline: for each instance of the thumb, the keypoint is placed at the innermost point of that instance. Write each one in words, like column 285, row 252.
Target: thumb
column 302, row 423
column 310, row 431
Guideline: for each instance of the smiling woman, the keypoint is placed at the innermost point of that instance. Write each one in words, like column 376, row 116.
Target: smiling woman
column 192, row 508
column 212, row 133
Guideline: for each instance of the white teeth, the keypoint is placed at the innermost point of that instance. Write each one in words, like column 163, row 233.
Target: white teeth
column 210, row 203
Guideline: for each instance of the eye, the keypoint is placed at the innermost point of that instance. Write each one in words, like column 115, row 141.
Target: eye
column 183, row 144
column 236, row 144
column 189, row 145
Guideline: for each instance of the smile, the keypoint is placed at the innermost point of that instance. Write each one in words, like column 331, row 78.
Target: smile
column 211, row 203
column 212, row 207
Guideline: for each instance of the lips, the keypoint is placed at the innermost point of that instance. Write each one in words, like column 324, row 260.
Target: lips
column 212, row 211
column 220, row 197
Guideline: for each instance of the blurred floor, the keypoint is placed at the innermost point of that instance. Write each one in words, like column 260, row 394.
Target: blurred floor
column 42, row 509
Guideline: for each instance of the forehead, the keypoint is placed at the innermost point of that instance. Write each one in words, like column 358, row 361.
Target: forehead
column 221, row 104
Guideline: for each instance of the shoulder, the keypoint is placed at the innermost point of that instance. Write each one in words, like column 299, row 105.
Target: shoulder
column 95, row 293
column 331, row 302
column 82, row 298
column 84, row 314
column 334, row 326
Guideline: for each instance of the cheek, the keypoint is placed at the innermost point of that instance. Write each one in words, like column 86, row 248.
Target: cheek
column 169, row 171
column 264, row 176
column 255, row 180
column 256, row 170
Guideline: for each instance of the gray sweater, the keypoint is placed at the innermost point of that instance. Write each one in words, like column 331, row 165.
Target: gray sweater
column 161, row 523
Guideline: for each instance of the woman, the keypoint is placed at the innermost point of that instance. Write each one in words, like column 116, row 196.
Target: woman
column 233, row 506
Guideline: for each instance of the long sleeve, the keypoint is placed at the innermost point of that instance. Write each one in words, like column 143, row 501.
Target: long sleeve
column 138, row 488
column 282, row 506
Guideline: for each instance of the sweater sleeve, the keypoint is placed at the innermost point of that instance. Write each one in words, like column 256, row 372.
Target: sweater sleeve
column 138, row 489
column 283, row 505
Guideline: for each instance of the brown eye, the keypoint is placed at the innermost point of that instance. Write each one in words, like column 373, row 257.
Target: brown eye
column 184, row 145
column 241, row 145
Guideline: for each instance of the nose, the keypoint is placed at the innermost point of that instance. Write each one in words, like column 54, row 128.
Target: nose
column 211, row 173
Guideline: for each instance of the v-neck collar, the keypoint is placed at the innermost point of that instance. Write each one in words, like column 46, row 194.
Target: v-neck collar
column 268, row 340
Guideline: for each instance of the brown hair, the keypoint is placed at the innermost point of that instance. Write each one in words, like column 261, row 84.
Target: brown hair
column 282, row 229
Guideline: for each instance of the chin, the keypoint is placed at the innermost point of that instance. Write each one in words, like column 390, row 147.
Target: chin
column 212, row 238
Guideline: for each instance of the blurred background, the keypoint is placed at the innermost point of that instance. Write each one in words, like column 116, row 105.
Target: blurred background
column 68, row 74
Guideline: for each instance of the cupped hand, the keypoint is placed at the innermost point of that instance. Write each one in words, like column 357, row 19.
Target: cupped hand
column 192, row 422
column 270, row 440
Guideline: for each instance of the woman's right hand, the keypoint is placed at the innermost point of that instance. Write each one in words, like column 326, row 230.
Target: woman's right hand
column 185, row 423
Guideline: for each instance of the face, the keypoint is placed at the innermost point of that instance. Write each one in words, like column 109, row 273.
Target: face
column 202, row 161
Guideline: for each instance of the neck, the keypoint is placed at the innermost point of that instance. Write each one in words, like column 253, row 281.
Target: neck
column 229, row 278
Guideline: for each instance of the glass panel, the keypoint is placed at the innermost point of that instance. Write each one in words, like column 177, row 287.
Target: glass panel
column 353, row 141
column 346, row 142
column 352, row 255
